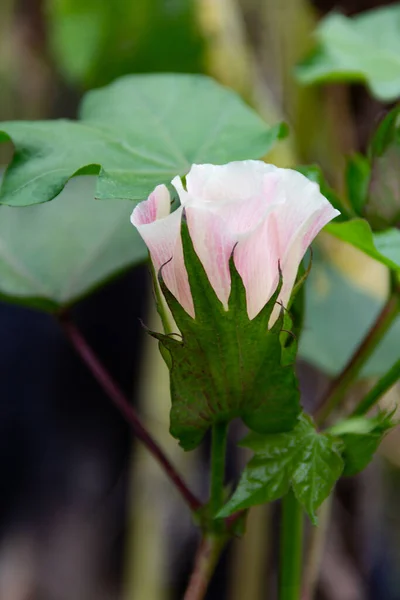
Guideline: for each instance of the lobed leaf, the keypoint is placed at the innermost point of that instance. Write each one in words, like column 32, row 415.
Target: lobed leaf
column 136, row 133
column 303, row 459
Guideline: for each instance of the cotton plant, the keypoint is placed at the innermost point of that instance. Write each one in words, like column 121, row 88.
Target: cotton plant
column 227, row 235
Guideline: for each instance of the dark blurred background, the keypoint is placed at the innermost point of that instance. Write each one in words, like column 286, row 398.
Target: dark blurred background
column 84, row 513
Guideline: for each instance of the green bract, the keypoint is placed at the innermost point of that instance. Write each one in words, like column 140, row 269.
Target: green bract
column 136, row 133
column 226, row 366
column 303, row 459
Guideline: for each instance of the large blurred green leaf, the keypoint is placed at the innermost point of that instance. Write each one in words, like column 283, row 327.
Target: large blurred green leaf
column 53, row 254
column 337, row 317
column 362, row 48
column 95, row 41
column 136, row 133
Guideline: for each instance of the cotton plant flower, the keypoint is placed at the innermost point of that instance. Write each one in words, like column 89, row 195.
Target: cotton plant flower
column 226, row 262
column 266, row 216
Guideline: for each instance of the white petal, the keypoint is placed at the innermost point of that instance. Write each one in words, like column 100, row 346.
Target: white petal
column 232, row 182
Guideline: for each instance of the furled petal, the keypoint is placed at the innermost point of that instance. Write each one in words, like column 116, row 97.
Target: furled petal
column 305, row 212
column 303, row 199
column 304, row 236
column 213, row 245
column 161, row 233
column 240, row 192
column 256, row 259
column 232, row 182
column 157, row 206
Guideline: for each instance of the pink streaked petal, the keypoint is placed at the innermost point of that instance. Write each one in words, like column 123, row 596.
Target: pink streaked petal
column 157, row 206
column 235, row 181
column 177, row 281
column 163, row 240
column 303, row 199
column 160, row 237
column 304, row 237
column 256, row 259
column 244, row 216
column 213, row 245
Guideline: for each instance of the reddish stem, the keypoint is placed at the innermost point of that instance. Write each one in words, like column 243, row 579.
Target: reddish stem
column 119, row 399
column 204, row 565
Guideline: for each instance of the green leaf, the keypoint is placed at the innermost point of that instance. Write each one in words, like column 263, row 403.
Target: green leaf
column 136, row 133
column 53, row 254
column 304, row 459
column 382, row 246
column 361, row 437
column 382, row 209
column 338, row 315
column 226, row 366
column 363, row 48
column 358, row 174
column 386, row 134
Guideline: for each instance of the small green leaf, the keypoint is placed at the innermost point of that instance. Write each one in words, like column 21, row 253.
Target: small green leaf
column 361, row 437
column 53, row 254
column 363, row 48
column 386, row 134
column 382, row 209
column 382, row 246
column 226, row 366
column 358, row 173
column 304, row 459
column 136, row 133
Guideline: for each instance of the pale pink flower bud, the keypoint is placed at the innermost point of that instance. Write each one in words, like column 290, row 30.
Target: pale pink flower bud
column 266, row 215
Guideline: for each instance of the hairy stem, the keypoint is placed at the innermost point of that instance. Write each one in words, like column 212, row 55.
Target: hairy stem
column 380, row 388
column 119, row 399
column 291, row 548
column 212, row 542
column 205, row 562
column 346, row 378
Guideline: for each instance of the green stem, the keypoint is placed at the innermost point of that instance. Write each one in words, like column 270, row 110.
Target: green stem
column 291, row 548
column 346, row 378
column 381, row 387
column 218, row 455
column 213, row 541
